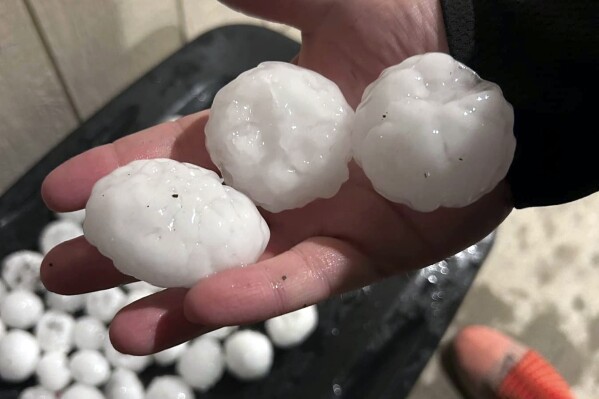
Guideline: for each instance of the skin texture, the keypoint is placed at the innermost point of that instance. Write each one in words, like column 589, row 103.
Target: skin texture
column 326, row 248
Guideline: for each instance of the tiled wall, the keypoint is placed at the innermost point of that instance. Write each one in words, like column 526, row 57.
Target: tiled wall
column 61, row 60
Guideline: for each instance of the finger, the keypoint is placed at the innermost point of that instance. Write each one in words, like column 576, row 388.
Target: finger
column 76, row 267
column 308, row 273
column 68, row 187
column 153, row 323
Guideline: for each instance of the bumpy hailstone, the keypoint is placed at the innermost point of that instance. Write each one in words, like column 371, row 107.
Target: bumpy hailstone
column 54, row 331
column 170, row 223
column 89, row 367
column 57, row 232
column 37, row 392
column 203, row 364
column 169, row 387
column 124, row 384
column 104, row 305
column 248, row 355
column 19, row 354
column 89, row 333
column 80, row 391
column 293, row 328
column 21, row 269
column 21, row 309
column 171, row 355
column 65, row 303
column 130, row 362
column 431, row 133
column 53, row 372
column 282, row 135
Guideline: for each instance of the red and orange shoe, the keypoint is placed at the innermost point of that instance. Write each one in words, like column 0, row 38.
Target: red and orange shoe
column 490, row 365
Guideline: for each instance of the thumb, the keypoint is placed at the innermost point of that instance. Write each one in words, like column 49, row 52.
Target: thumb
column 297, row 13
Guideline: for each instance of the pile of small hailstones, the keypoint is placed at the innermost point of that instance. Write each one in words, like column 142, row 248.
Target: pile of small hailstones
column 63, row 340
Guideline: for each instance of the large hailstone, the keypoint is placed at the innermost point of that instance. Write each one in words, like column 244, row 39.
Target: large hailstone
column 282, row 135
column 170, row 223
column 431, row 133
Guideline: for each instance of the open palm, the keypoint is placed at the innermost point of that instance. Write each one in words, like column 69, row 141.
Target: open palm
column 325, row 248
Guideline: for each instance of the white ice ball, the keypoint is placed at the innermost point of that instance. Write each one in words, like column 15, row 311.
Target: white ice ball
column 89, row 367
column 21, row 269
column 65, row 303
column 282, row 135
column 21, row 309
column 104, row 305
column 53, row 372
column 222, row 332
column 203, row 364
column 123, row 360
column 124, row 384
column 293, row 328
column 169, row 387
column 170, row 223
column 170, row 355
column 75, row 216
column 19, row 354
column 248, row 355
column 37, row 392
column 89, row 333
column 54, row 331
column 57, row 232
column 81, row 391
column 431, row 133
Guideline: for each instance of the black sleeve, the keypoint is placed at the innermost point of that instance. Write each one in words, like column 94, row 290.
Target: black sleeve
column 544, row 55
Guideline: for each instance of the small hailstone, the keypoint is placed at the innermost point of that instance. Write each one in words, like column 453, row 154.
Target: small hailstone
column 141, row 286
column 21, row 309
column 81, row 391
column 65, row 303
column 89, row 333
column 37, row 392
column 152, row 213
column 57, row 232
column 431, row 133
column 21, row 269
column 19, row 354
column 75, row 216
column 170, row 355
column 89, row 367
column 202, row 365
column 136, row 295
column 282, row 135
column 248, row 355
column 104, row 305
column 293, row 328
column 222, row 332
column 54, row 331
column 124, row 384
column 53, row 372
column 169, row 387
column 131, row 362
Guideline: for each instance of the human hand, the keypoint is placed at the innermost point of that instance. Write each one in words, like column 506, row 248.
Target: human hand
column 328, row 247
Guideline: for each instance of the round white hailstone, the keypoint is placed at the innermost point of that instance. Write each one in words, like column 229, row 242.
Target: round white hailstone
column 80, row 391
column 75, row 216
column 169, row 387
column 57, row 232
column 21, row 309
column 170, row 223
column 136, row 295
column 53, row 372
column 170, row 355
column 141, row 286
column 89, row 333
column 124, row 384
column 65, row 303
column 203, row 364
column 293, row 328
column 221, row 333
column 248, row 355
column 431, row 133
column 282, row 135
column 89, row 367
column 21, row 269
column 54, row 331
column 37, row 392
column 19, row 354
column 130, row 362
column 104, row 305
